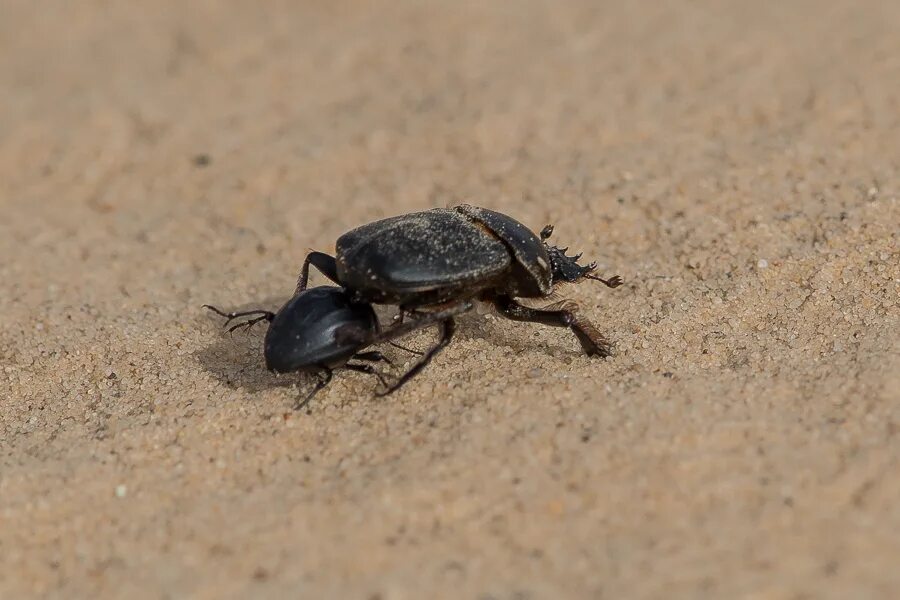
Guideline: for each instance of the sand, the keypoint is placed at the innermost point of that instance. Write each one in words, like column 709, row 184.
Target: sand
column 735, row 162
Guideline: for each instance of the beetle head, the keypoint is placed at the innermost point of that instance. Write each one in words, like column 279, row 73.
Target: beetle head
column 566, row 268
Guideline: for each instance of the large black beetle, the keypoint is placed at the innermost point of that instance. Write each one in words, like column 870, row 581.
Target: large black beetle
column 434, row 264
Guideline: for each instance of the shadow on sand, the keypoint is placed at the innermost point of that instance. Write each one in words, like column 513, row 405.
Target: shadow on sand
column 236, row 359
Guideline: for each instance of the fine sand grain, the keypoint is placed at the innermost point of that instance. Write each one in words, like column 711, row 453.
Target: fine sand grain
column 738, row 163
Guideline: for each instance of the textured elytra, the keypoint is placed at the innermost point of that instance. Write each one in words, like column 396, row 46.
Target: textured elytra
column 418, row 252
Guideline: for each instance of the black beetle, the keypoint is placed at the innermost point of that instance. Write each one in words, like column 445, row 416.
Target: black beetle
column 434, row 264
column 318, row 330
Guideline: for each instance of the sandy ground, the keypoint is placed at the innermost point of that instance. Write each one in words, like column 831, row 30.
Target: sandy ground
column 736, row 163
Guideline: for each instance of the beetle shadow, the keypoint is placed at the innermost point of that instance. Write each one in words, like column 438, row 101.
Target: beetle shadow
column 513, row 335
column 236, row 359
column 499, row 332
column 506, row 334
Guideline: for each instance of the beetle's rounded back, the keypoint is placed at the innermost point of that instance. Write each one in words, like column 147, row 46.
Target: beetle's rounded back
column 318, row 327
column 425, row 255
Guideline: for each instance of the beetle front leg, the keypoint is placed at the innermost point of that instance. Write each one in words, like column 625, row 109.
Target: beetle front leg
column 326, row 264
column 561, row 314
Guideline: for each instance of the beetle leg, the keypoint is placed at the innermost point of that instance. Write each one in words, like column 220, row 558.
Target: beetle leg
column 326, row 264
column 250, row 323
column 373, row 356
column 398, row 319
column 448, row 326
column 410, row 350
column 404, row 312
column 562, row 314
column 266, row 315
column 324, row 379
column 443, row 317
column 425, row 320
column 365, row 369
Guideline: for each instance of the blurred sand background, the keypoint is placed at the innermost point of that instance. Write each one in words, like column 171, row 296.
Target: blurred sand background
column 736, row 162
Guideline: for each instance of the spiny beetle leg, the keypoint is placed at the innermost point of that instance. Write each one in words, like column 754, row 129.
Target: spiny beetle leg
column 561, row 314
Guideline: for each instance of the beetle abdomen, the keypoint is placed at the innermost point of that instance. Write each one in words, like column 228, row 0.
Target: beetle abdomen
column 419, row 252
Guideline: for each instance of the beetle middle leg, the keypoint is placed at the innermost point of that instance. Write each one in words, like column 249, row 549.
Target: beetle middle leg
column 325, row 263
column 561, row 314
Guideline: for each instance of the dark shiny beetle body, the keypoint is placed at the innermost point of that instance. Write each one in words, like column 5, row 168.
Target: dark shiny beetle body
column 438, row 255
column 319, row 327
column 318, row 330
column 434, row 264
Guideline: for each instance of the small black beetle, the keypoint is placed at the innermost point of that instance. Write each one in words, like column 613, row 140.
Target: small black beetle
column 318, row 330
column 433, row 264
